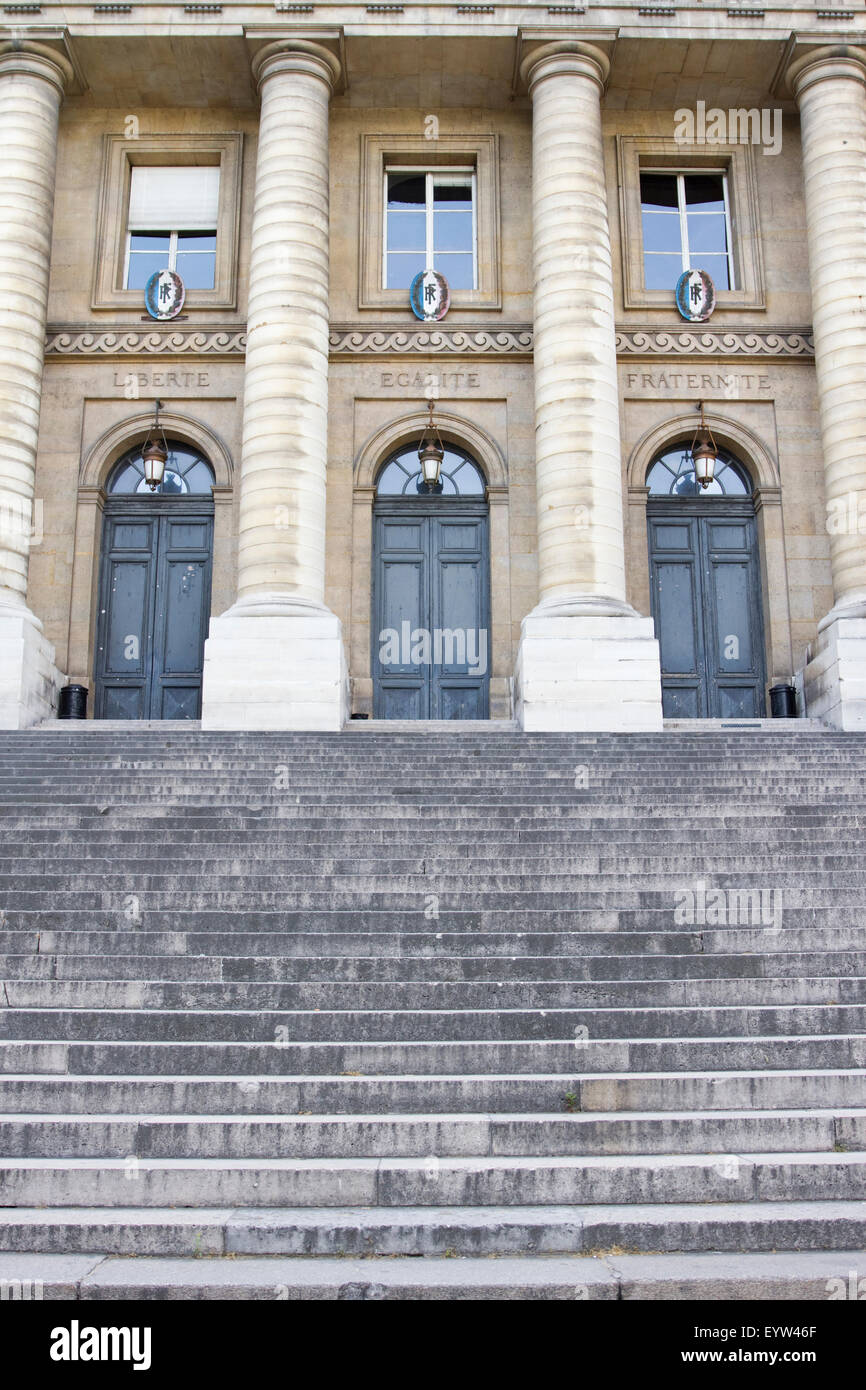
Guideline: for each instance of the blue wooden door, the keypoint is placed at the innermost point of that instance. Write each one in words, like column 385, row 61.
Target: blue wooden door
column 706, row 602
column 153, row 611
column 431, row 629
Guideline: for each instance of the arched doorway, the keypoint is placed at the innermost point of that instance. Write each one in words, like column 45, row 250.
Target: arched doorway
column 154, row 588
column 431, row 590
column 705, row 588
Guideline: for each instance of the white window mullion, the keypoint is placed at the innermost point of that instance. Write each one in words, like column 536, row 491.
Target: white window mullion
column 172, row 252
column 728, row 237
column 125, row 281
column 429, row 195
column 684, row 223
column 385, row 233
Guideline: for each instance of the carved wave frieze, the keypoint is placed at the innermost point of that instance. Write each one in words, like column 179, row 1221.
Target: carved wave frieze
column 399, row 342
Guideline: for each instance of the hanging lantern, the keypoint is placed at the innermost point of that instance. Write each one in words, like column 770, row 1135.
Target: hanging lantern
column 154, row 453
column 431, row 452
column 704, row 452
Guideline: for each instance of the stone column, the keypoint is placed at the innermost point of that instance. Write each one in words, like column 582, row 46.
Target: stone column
column 587, row 660
column 830, row 87
column 275, row 659
column 32, row 82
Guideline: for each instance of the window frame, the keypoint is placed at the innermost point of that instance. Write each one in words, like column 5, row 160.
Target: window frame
column 433, row 174
column 681, row 175
column 637, row 154
column 120, row 156
column 449, row 153
column 172, row 249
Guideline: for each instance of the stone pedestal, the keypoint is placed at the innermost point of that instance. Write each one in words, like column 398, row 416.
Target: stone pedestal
column 587, row 660
column 275, row 659
column 29, row 680
column 273, row 664
column 587, row 671
column 834, row 681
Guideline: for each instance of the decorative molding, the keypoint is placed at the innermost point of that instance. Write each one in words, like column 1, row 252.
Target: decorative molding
column 733, row 342
column 124, row 342
column 402, row 341
column 513, row 341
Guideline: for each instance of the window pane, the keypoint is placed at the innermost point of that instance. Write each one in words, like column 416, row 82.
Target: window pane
column 150, row 241
column 403, row 267
column 661, row 232
column 452, row 231
column 658, row 191
column 707, row 232
column 458, row 197
column 407, row 231
column 406, row 191
column 196, row 241
column 716, row 267
column 457, row 270
column 143, row 264
column 705, row 191
column 126, row 479
column 662, row 272
column 199, row 478
column 196, row 270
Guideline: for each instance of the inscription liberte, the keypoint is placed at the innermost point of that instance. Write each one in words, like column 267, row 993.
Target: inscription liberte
column 178, row 379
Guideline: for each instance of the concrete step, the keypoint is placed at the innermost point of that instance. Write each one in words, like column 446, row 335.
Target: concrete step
column 803, row 1275
column 577, row 1091
column 417, row 1135
column 435, row 1231
column 433, row 1181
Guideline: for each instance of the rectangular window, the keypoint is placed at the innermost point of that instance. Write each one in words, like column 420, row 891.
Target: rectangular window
column 172, row 223
column 430, row 222
column 686, row 226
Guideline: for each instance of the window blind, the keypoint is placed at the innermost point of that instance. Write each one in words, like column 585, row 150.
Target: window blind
column 174, row 198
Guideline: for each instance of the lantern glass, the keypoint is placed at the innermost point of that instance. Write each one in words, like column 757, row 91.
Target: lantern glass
column 430, row 457
column 154, row 457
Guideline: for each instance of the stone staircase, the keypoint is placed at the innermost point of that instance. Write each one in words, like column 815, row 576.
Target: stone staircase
column 561, row 1016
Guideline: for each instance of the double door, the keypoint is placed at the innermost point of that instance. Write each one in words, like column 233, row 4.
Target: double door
column 154, row 606
column 706, row 602
column 431, row 628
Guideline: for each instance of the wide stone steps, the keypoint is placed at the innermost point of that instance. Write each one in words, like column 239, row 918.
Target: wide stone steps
column 444, row 1231
column 341, row 1095
column 436, row 1181
column 280, row 1012
column 385, row 1025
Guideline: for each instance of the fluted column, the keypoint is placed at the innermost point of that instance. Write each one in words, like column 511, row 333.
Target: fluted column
column 830, row 87
column 587, row 660
column 32, row 81
column 275, row 659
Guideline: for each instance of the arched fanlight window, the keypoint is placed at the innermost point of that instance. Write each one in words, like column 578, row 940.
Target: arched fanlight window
column 672, row 474
column 401, row 476
column 186, row 471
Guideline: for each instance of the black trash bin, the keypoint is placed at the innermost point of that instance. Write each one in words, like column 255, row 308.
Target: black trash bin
column 73, row 702
column 783, row 702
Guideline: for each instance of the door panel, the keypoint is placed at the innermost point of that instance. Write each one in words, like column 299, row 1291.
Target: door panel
column 154, row 607
column 707, row 608
column 430, row 602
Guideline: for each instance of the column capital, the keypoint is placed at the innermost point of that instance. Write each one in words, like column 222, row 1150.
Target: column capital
column 36, row 60
column 569, row 57
column 820, row 64
column 296, row 56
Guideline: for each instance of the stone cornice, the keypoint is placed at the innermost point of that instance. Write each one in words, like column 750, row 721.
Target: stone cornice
column 514, row 341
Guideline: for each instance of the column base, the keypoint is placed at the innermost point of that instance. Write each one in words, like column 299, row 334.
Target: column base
column 29, row 679
column 275, row 662
column 588, row 665
column 834, row 681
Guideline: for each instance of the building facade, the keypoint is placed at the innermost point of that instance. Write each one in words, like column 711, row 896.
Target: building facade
column 563, row 167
